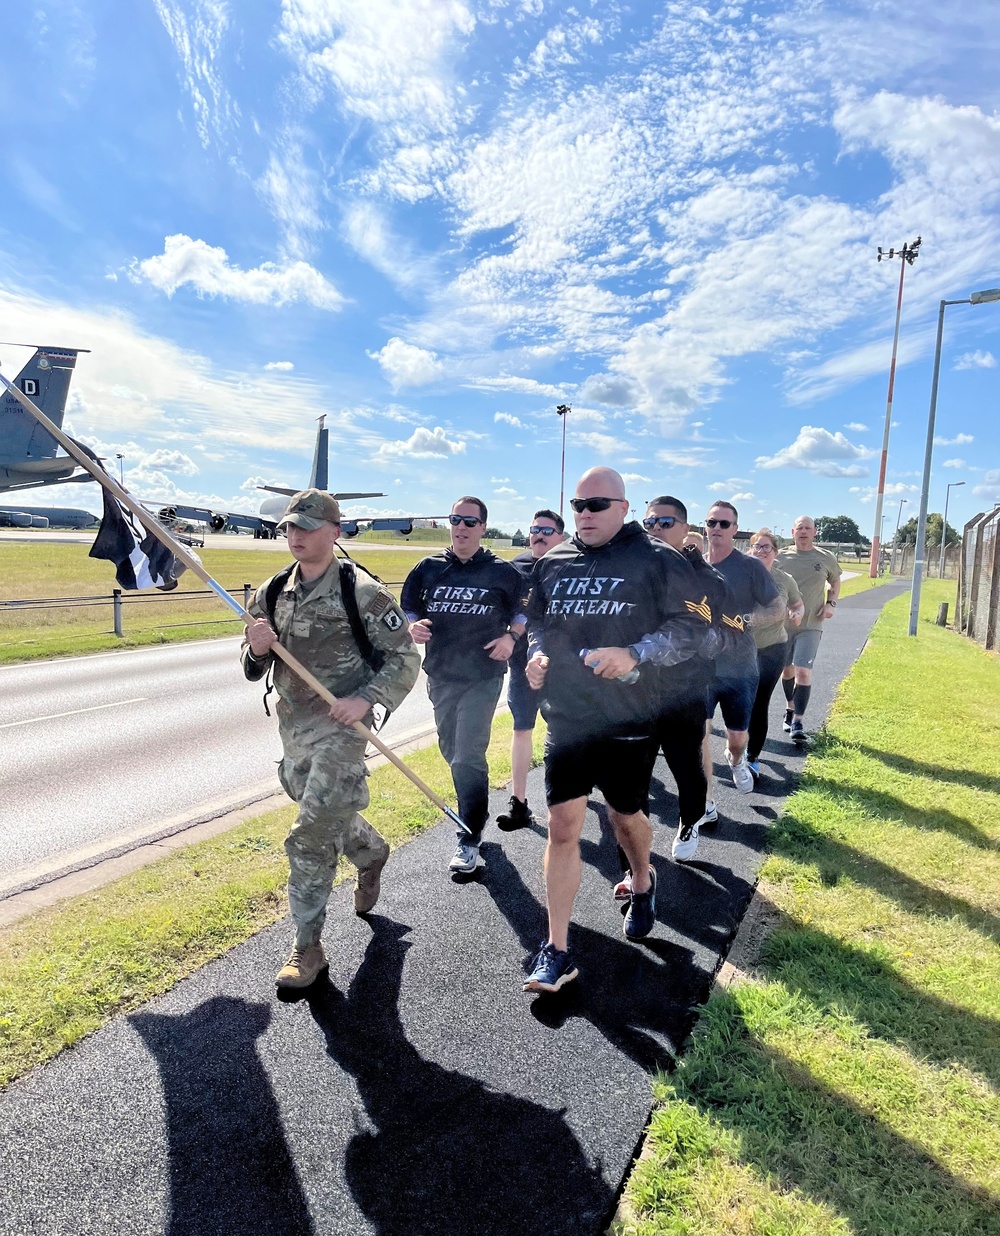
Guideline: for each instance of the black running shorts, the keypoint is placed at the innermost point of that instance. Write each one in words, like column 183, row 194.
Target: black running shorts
column 619, row 767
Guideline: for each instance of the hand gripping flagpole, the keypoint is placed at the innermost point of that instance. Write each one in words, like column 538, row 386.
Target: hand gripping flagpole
column 180, row 552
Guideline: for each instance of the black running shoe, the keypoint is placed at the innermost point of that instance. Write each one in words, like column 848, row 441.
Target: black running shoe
column 641, row 917
column 786, row 725
column 798, row 733
column 552, row 969
column 518, row 816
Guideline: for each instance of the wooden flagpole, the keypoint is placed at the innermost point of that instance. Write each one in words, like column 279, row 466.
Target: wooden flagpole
column 152, row 525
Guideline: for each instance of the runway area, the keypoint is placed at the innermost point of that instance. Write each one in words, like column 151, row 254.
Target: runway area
column 103, row 751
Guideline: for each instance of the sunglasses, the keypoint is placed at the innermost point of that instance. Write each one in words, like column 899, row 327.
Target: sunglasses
column 470, row 521
column 538, row 530
column 592, row 504
column 718, row 523
column 659, row 521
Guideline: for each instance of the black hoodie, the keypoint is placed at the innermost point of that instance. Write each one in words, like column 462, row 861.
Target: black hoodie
column 469, row 604
column 611, row 596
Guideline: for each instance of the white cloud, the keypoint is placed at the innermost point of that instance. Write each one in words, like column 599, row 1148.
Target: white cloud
column 693, row 457
column 404, row 364
column 818, row 450
column 989, row 487
column 171, row 461
column 197, row 39
column 505, row 418
column 282, row 366
column 954, row 463
column 208, row 270
column 422, row 444
column 518, row 386
column 893, row 489
column 856, row 427
column 743, row 497
column 602, row 443
column 507, row 492
column 976, row 360
column 634, row 478
column 960, row 439
column 499, row 480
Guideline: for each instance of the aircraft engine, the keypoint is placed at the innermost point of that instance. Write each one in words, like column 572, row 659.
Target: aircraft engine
column 166, row 514
column 218, row 523
column 349, row 527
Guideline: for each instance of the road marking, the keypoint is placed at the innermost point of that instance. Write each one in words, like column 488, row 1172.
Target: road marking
column 74, row 712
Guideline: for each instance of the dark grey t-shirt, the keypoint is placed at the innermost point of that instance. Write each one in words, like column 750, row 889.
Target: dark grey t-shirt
column 749, row 585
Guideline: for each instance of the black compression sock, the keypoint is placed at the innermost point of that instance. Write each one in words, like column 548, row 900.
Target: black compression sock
column 800, row 699
column 788, row 686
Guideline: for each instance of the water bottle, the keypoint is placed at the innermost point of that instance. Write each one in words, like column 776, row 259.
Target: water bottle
column 627, row 679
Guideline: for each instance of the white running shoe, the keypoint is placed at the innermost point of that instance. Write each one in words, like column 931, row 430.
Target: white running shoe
column 465, row 859
column 686, row 842
column 742, row 776
column 711, row 815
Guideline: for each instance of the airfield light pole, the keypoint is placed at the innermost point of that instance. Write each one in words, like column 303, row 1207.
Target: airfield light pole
column 907, row 256
column 121, row 467
column 976, row 298
column 563, row 410
column 944, row 526
column 895, row 537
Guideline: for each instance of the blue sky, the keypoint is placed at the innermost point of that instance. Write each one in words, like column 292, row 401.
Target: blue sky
column 434, row 220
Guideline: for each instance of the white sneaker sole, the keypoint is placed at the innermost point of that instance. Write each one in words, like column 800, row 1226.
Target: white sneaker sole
column 686, row 849
column 561, row 981
column 460, row 868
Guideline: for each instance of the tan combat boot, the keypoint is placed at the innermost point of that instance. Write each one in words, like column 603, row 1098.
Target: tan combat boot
column 369, row 885
column 303, row 967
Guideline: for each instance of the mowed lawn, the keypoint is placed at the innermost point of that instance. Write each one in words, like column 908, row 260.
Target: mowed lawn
column 851, row 1083
column 53, row 569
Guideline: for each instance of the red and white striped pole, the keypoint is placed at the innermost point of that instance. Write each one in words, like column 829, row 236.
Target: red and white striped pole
column 906, row 258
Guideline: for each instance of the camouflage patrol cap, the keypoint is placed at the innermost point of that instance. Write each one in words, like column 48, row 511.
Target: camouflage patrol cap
column 311, row 509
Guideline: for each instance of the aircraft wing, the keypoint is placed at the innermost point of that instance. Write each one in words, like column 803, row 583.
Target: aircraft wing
column 288, row 493
column 217, row 521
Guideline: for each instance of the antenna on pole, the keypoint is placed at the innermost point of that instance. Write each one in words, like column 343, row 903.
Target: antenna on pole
column 562, row 410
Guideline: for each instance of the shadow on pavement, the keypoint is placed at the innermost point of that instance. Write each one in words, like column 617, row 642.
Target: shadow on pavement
column 231, row 1172
column 447, row 1155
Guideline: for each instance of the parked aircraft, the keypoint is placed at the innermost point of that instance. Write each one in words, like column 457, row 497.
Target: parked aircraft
column 46, row 517
column 28, row 453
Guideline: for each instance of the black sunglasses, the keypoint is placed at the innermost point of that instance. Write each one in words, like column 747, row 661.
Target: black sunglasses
column 592, row 504
column 470, row 521
column 718, row 523
column 538, row 530
column 659, row 521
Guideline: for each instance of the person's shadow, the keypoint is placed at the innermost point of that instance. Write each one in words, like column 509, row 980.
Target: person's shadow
column 230, row 1168
column 447, row 1156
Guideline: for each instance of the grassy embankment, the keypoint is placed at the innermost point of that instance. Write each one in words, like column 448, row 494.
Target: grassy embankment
column 851, row 1083
column 52, row 569
column 67, row 970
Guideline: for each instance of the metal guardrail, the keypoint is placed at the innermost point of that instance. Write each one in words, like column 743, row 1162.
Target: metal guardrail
column 119, row 599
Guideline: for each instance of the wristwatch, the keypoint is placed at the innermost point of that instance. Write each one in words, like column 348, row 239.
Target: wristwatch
column 833, row 603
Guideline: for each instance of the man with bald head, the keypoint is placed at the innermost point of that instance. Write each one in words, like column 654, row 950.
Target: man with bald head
column 817, row 573
column 601, row 604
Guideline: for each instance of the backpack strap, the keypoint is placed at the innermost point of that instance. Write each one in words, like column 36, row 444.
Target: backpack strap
column 274, row 586
column 374, row 657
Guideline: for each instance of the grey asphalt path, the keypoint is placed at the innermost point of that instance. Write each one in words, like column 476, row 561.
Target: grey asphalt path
column 418, row 1090
column 102, row 753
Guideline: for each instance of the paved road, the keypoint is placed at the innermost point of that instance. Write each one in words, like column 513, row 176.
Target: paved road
column 99, row 751
column 418, row 1092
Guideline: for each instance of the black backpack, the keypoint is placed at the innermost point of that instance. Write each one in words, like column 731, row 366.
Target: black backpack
column 373, row 656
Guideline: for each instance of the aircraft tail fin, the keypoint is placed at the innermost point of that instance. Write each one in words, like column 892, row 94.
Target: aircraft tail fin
column 45, row 380
column 320, row 476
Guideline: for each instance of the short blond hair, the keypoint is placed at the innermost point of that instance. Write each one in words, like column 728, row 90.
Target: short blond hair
column 775, row 541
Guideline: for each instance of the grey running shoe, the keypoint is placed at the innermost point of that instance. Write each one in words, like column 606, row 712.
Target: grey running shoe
column 552, row 969
column 742, row 776
column 798, row 733
column 466, row 858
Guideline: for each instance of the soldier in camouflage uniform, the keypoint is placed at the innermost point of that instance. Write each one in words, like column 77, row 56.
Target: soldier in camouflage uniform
column 323, row 767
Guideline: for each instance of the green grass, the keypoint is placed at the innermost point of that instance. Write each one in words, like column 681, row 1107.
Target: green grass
column 67, row 970
column 54, row 569
column 852, row 1083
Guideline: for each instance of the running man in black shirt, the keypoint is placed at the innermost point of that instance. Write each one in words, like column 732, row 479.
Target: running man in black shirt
column 465, row 606
column 594, row 600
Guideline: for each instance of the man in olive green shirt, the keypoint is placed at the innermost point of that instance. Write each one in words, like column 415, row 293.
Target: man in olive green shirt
column 817, row 573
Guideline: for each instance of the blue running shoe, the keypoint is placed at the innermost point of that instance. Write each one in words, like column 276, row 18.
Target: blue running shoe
column 754, row 766
column 641, row 916
column 552, row 969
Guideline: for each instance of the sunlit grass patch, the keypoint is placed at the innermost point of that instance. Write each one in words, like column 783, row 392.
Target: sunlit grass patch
column 852, row 1083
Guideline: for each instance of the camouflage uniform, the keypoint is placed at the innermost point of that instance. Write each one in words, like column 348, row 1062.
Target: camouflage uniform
column 323, row 768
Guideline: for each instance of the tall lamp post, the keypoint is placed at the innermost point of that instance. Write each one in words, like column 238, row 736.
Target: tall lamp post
column 907, row 256
column 977, row 298
column 944, row 526
column 895, row 538
column 563, row 410
column 121, row 467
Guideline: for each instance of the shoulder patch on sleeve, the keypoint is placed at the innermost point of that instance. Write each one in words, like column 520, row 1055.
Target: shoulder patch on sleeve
column 393, row 619
column 379, row 603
